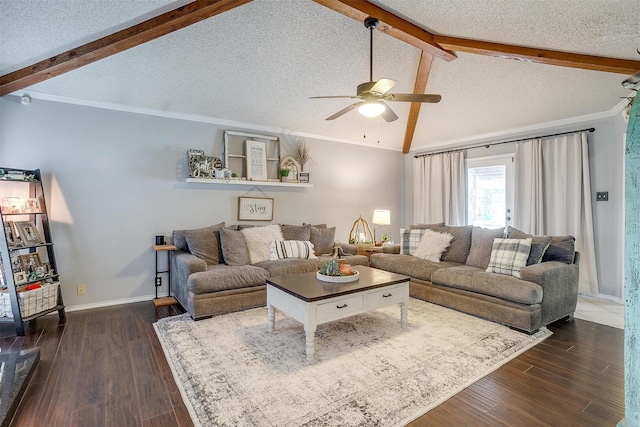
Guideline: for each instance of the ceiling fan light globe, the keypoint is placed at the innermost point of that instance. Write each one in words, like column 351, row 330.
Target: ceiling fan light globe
column 371, row 109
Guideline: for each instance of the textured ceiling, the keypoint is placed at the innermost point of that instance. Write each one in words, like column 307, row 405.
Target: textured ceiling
column 259, row 63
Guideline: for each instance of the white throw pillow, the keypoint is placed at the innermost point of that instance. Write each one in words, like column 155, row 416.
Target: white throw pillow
column 509, row 256
column 432, row 245
column 284, row 249
column 258, row 240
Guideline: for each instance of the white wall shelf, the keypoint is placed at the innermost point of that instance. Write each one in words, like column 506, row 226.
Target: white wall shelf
column 245, row 182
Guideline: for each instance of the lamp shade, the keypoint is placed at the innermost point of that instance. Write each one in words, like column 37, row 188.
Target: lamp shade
column 381, row 217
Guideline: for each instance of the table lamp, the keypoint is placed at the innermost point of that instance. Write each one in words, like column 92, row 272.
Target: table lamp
column 380, row 217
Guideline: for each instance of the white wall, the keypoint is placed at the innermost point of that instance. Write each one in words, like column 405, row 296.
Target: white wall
column 606, row 158
column 115, row 179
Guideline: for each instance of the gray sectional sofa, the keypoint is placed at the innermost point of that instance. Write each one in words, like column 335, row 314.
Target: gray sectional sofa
column 546, row 291
column 212, row 271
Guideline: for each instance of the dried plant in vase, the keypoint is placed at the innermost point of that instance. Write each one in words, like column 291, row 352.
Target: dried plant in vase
column 301, row 153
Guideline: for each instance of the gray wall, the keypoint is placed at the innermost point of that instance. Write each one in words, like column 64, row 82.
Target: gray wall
column 606, row 158
column 115, row 179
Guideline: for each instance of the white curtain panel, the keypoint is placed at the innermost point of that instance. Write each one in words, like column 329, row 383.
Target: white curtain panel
column 439, row 187
column 552, row 196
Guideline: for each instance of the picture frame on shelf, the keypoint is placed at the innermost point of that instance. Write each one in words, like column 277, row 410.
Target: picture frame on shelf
column 19, row 277
column 255, row 209
column 304, row 177
column 29, row 262
column 10, row 234
column 11, row 205
column 31, row 205
column 256, row 157
column 28, row 233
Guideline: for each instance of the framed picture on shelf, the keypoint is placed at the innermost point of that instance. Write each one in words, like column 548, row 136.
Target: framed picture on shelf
column 11, row 205
column 28, row 233
column 255, row 209
column 31, row 206
column 29, row 262
column 9, row 233
column 256, row 160
column 304, row 177
column 19, row 277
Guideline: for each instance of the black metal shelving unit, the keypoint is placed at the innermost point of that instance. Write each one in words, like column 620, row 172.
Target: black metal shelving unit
column 11, row 246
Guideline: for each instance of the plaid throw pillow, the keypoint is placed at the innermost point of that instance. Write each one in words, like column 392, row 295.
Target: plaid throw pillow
column 283, row 249
column 509, row 256
column 410, row 240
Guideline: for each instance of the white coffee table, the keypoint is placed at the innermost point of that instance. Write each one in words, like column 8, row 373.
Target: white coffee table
column 313, row 302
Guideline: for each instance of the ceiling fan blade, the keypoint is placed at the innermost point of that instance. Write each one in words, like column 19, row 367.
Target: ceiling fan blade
column 332, row 96
column 388, row 113
column 412, row 97
column 345, row 110
column 382, row 86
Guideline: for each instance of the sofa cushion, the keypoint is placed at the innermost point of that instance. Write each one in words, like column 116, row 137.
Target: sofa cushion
column 283, row 267
column 474, row 279
column 205, row 243
column 284, row 249
column 410, row 240
column 234, row 248
column 539, row 244
column 509, row 256
column 296, row 232
column 432, row 245
column 481, row 245
column 426, row 226
column 223, row 277
column 322, row 239
column 561, row 248
column 258, row 241
column 460, row 245
column 408, row 265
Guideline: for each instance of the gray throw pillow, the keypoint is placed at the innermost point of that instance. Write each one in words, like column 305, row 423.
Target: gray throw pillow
column 322, row 239
column 234, row 248
column 561, row 248
column 205, row 243
column 539, row 244
column 296, row 232
column 460, row 245
column 481, row 245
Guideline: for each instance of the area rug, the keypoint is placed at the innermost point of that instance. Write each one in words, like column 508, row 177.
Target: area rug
column 367, row 370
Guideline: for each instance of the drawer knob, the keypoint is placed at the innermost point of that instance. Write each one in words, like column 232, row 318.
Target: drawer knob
column 341, row 306
column 386, row 296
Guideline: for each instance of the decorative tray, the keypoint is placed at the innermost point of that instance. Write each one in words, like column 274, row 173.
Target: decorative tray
column 338, row 279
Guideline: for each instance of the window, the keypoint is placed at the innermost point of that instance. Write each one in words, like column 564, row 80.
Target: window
column 490, row 191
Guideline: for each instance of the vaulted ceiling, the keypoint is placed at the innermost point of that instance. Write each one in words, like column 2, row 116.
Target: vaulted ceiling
column 257, row 64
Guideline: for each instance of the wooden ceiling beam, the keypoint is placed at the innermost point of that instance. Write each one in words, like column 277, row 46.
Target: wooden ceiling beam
column 424, row 68
column 390, row 24
column 540, row 56
column 117, row 42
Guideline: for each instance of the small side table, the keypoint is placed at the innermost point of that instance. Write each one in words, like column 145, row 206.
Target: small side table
column 168, row 300
column 373, row 250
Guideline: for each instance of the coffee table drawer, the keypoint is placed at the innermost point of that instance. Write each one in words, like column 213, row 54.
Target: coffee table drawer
column 340, row 308
column 385, row 297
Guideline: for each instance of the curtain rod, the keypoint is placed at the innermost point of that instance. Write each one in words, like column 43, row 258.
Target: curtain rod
column 454, row 150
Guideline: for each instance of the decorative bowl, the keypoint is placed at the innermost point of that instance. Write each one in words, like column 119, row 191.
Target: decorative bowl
column 338, row 279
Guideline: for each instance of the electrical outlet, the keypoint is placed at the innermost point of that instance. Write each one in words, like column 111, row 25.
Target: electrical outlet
column 602, row 196
column 81, row 290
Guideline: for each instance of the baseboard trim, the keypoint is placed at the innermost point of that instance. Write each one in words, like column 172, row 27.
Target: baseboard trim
column 112, row 302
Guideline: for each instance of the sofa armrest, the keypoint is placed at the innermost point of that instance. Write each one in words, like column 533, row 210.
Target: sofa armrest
column 348, row 248
column 559, row 282
column 391, row 249
column 184, row 264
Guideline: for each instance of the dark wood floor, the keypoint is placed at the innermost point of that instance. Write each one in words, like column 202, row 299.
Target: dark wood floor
column 105, row 367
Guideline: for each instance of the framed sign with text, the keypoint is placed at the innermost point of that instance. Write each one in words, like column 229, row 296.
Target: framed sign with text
column 255, row 209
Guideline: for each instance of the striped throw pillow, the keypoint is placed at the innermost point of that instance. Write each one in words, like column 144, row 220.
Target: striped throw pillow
column 284, row 249
column 509, row 256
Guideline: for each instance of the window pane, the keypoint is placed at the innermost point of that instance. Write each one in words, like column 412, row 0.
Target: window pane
column 487, row 196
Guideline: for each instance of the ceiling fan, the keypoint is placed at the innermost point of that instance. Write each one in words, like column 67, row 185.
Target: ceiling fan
column 372, row 95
